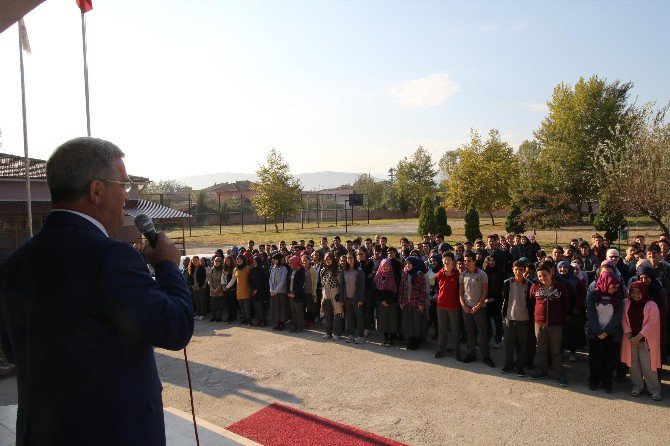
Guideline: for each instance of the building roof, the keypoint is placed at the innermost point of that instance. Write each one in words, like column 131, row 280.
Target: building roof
column 341, row 190
column 237, row 186
column 133, row 208
column 14, row 167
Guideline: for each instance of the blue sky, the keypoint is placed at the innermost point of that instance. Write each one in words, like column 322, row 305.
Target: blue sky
column 195, row 87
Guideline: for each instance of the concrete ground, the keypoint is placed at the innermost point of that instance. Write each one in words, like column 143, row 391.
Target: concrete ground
column 405, row 395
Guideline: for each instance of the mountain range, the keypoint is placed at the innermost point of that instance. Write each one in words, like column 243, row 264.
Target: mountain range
column 309, row 181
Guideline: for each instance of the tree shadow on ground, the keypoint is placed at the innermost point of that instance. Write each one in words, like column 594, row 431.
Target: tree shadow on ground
column 217, row 382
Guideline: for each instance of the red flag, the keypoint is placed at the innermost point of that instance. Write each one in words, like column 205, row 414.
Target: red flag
column 85, row 5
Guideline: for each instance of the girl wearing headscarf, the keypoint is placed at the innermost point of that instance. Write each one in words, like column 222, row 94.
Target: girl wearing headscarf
column 216, row 289
column 296, row 293
column 646, row 274
column 241, row 280
column 604, row 307
column 278, row 298
column 352, row 287
column 184, row 270
column 387, row 296
column 200, row 288
column 412, row 298
column 641, row 347
column 332, row 307
column 311, row 277
column 230, row 294
column 397, row 267
column 258, row 282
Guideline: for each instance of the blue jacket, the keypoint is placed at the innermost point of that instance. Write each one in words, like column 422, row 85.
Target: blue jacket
column 83, row 328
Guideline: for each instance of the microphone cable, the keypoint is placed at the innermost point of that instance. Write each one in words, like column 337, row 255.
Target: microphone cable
column 190, row 391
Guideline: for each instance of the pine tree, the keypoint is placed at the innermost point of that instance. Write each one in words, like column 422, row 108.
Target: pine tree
column 513, row 223
column 427, row 216
column 472, row 231
column 441, row 224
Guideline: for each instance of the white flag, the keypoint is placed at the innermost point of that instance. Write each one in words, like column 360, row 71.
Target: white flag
column 25, row 43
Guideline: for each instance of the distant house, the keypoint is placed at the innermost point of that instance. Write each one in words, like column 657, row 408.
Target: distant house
column 229, row 191
column 340, row 193
column 14, row 207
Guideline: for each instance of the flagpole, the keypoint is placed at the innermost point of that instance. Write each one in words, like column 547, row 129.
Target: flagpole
column 29, row 221
column 83, row 39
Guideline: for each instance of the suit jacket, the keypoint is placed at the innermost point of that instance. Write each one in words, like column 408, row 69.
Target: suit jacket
column 83, row 314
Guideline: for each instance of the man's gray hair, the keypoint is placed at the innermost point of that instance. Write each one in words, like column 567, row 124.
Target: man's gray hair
column 75, row 164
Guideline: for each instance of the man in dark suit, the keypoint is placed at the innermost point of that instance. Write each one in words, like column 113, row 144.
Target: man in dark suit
column 83, row 314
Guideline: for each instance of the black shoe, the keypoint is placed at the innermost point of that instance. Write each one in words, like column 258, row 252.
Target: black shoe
column 450, row 351
column 212, row 319
column 537, row 375
column 243, row 322
column 400, row 338
column 435, row 336
column 469, row 358
column 607, row 389
column 520, row 372
column 293, row 330
column 489, row 362
column 219, row 319
column 458, row 357
column 505, row 370
column 438, row 354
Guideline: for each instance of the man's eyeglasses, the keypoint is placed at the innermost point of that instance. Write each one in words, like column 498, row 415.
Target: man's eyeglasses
column 127, row 185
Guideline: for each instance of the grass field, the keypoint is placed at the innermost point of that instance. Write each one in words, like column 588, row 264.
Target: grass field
column 209, row 237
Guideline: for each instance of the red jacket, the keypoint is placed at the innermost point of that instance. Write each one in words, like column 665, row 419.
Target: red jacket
column 550, row 307
column 447, row 294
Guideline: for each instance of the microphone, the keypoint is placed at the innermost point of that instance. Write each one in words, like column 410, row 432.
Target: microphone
column 144, row 224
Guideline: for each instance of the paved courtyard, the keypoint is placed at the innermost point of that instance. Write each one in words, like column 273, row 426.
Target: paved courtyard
column 405, row 395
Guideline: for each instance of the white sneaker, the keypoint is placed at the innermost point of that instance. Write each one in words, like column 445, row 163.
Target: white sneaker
column 336, row 337
column 350, row 339
column 359, row 340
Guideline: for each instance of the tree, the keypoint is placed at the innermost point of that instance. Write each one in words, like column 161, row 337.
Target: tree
column 441, row 224
column 448, row 164
column 513, row 223
column 427, row 217
column 579, row 120
column 636, row 173
column 544, row 208
column 531, row 169
column 164, row 188
column 481, row 174
column 203, row 206
column 278, row 192
column 472, row 231
column 372, row 190
column 610, row 220
column 415, row 177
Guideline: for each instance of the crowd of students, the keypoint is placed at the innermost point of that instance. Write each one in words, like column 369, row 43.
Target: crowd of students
column 498, row 292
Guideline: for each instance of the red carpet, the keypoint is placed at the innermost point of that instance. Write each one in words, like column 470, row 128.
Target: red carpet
column 279, row 425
